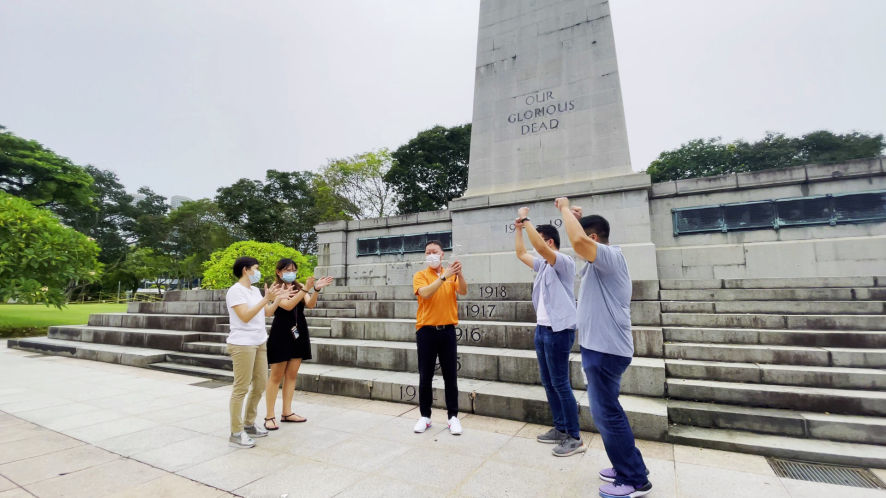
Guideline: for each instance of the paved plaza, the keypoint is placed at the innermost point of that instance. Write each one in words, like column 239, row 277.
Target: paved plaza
column 81, row 428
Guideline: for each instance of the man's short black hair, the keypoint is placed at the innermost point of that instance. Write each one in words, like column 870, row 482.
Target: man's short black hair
column 434, row 241
column 242, row 263
column 595, row 223
column 549, row 232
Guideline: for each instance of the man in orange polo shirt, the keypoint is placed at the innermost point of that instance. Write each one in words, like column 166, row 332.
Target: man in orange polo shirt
column 436, row 289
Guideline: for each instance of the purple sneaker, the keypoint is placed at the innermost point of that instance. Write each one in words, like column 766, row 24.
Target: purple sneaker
column 619, row 490
column 608, row 475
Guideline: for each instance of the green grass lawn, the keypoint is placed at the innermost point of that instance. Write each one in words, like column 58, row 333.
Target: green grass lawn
column 19, row 320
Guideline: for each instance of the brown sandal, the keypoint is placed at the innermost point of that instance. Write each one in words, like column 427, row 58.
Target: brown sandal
column 285, row 418
column 275, row 424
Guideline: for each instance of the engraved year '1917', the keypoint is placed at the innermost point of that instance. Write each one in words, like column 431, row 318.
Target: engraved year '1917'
column 480, row 310
column 511, row 227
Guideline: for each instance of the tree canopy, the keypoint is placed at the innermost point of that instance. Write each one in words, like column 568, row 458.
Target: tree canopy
column 431, row 169
column 709, row 157
column 360, row 181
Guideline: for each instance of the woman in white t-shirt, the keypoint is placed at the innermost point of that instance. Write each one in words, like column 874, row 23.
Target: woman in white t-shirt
column 247, row 347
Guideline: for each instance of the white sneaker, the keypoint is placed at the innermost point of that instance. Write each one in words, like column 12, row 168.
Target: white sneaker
column 454, row 426
column 422, row 425
column 241, row 440
column 255, row 430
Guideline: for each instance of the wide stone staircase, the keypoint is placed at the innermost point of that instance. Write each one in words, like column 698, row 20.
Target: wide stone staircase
column 791, row 368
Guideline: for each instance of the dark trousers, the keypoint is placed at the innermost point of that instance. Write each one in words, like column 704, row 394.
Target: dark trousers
column 432, row 343
column 552, row 350
column 604, row 372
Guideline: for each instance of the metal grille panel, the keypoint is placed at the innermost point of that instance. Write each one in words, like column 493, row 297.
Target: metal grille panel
column 831, row 474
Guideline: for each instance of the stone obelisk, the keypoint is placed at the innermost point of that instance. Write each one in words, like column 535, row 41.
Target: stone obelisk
column 548, row 121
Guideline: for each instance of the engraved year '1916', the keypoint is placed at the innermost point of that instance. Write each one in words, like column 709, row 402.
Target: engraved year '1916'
column 467, row 334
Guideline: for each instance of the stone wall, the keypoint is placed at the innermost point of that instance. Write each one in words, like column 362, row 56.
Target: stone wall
column 809, row 251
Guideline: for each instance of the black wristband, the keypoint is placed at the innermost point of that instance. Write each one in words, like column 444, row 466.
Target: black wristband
column 523, row 220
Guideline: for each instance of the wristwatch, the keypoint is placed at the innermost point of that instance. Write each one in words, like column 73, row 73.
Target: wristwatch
column 443, row 277
column 523, row 220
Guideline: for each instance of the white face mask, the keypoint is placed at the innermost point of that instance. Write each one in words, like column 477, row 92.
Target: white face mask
column 433, row 260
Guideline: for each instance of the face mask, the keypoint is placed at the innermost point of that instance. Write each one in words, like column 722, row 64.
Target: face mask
column 288, row 277
column 433, row 260
column 255, row 277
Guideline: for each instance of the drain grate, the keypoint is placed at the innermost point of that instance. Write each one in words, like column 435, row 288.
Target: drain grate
column 831, row 474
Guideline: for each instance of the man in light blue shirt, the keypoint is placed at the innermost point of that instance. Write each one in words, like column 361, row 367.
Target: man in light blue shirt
column 554, row 301
column 607, row 345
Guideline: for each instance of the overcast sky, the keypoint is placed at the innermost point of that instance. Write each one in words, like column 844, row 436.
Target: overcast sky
column 188, row 96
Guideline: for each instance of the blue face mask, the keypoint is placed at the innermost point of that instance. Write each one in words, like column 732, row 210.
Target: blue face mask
column 255, row 277
column 288, row 277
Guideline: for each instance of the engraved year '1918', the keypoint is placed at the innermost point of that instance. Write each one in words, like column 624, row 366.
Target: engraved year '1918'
column 488, row 291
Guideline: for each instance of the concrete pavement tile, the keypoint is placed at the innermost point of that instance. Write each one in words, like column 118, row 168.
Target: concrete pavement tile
column 34, row 403
column 303, row 478
column 436, row 467
column 384, row 407
column 400, row 429
column 16, row 432
column 47, row 466
column 103, row 480
column 363, row 453
column 353, row 421
column 703, row 482
column 145, row 440
column 238, row 468
column 806, row 489
column 170, row 485
column 6, row 484
column 176, row 456
column 531, row 431
column 741, row 462
column 649, row 449
column 304, row 440
column 42, row 442
column 211, row 422
column 476, row 443
column 530, row 453
column 490, row 424
column 174, row 413
column 42, row 415
column 16, row 493
column 587, row 481
column 63, row 422
column 109, row 429
column 496, row 478
column 376, row 486
column 880, row 473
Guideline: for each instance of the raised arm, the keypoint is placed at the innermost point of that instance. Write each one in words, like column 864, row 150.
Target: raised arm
column 460, row 279
column 520, row 248
column 583, row 245
column 535, row 239
column 430, row 289
column 317, row 285
column 245, row 313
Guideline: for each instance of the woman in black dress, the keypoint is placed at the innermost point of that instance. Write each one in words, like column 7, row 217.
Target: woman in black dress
column 288, row 342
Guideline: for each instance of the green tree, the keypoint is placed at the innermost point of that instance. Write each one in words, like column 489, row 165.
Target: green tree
column 112, row 221
column 708, row 157
column 218, row 271
column 360, row 180
column 150, row 227
column 31, row 171
column 196, row 229
column 284, row 208
column 431, row 169
column 41, row 259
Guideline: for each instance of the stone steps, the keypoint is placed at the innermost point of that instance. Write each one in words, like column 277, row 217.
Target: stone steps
column 792, row 423
column 179, row 308
column 108, row 353
column 645, row 376
column 775, row 321
column 784, row 294
column 648, row 416
column 811, row 450
column 330, row 313
column 780, row 307
column 789, row 375
column 784, row 355
column 774, row 283
column 197, row 323
column 814, row 399
column 139, row 338
column 195, row 295
column 512, row 335
column 642, row 312
column 810, row 338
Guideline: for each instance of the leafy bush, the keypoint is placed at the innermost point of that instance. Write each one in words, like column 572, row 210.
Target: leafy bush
column 218, row 271
column 39, row 257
